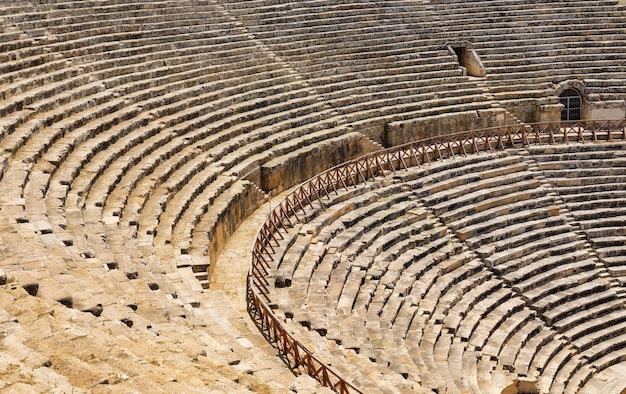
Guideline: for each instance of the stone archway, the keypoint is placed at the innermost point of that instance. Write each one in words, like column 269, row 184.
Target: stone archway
column 573, row 96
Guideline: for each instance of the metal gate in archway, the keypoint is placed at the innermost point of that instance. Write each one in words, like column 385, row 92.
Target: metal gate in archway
column 572, row 102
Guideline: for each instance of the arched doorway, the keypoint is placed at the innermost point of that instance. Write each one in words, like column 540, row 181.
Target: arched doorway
column 572, row 102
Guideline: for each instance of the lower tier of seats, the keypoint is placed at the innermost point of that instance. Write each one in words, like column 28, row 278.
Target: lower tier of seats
column 459, row 275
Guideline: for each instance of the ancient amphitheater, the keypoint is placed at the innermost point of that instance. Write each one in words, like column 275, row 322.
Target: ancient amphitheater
column 202, row 196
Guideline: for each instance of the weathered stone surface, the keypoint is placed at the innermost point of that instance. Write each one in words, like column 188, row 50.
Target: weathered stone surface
column 136, row 141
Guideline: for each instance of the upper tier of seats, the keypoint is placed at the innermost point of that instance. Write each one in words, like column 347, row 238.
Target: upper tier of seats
column 353, row 52
column 372, row 62
column 528, row 47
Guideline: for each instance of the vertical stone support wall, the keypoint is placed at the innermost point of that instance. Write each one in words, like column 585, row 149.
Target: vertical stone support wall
column 291, row 169
column 402, row 132
column 228, row 211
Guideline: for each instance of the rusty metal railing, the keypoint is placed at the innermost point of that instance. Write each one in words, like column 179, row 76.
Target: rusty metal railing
column 312, row 194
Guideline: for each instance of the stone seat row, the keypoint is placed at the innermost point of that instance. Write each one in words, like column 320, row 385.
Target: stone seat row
column 88, row 42
column 320, row 10
column 539, row 44
column 105, row 164
column 516, row 4
column 533, row 82
column 365, row 42
column 348, row 94
column 88, row 45
column 521, row 4
column 83, row 41
column 19, row 102
column 468, row 106
column 590, row 182
column 81, row 17
column 536, row 237
column 324, row 9
column 89, row 171
column 361, row 300
column 391, row 314
column 571, row 45
column 514, row 15
column 524, row 234
column 538, row 36
column 255, row 158
column 51, row 159
column 156, row 101
column 557, row 347
column 361, row 118
column 515, row 10
column 309, row 4
column 355, row 103
column 511, row 21
column 169, row 221
column 541, row 76
column 537, row 70
column 335, row 73
column 609, row 86
column 116, row 65
column 350, row 294
column 324, row 21
column 59, row 284
column 385, row 53
column 34, row 12
column 200, row 209
column 473, row 307
column 564, row 308
column 585, row 57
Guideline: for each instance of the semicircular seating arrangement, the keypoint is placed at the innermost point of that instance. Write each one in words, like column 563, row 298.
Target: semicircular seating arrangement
column 468, row 274
column 122, row 124
column 135, row 138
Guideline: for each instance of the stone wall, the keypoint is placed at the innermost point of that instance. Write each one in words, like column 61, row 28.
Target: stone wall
column 401, row 132
column 601, row 110
column 228, row 211
column 286, row 171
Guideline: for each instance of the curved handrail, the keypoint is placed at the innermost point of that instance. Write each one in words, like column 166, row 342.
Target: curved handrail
column 311, row 194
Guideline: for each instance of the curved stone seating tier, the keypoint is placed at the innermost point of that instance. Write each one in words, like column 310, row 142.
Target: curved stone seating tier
column 372, row 74
column 517, row 44
column 556, row 43
column 456, row 275
column 124, row 153
column 591, row 182
column 82, row 309
column 252, row 108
